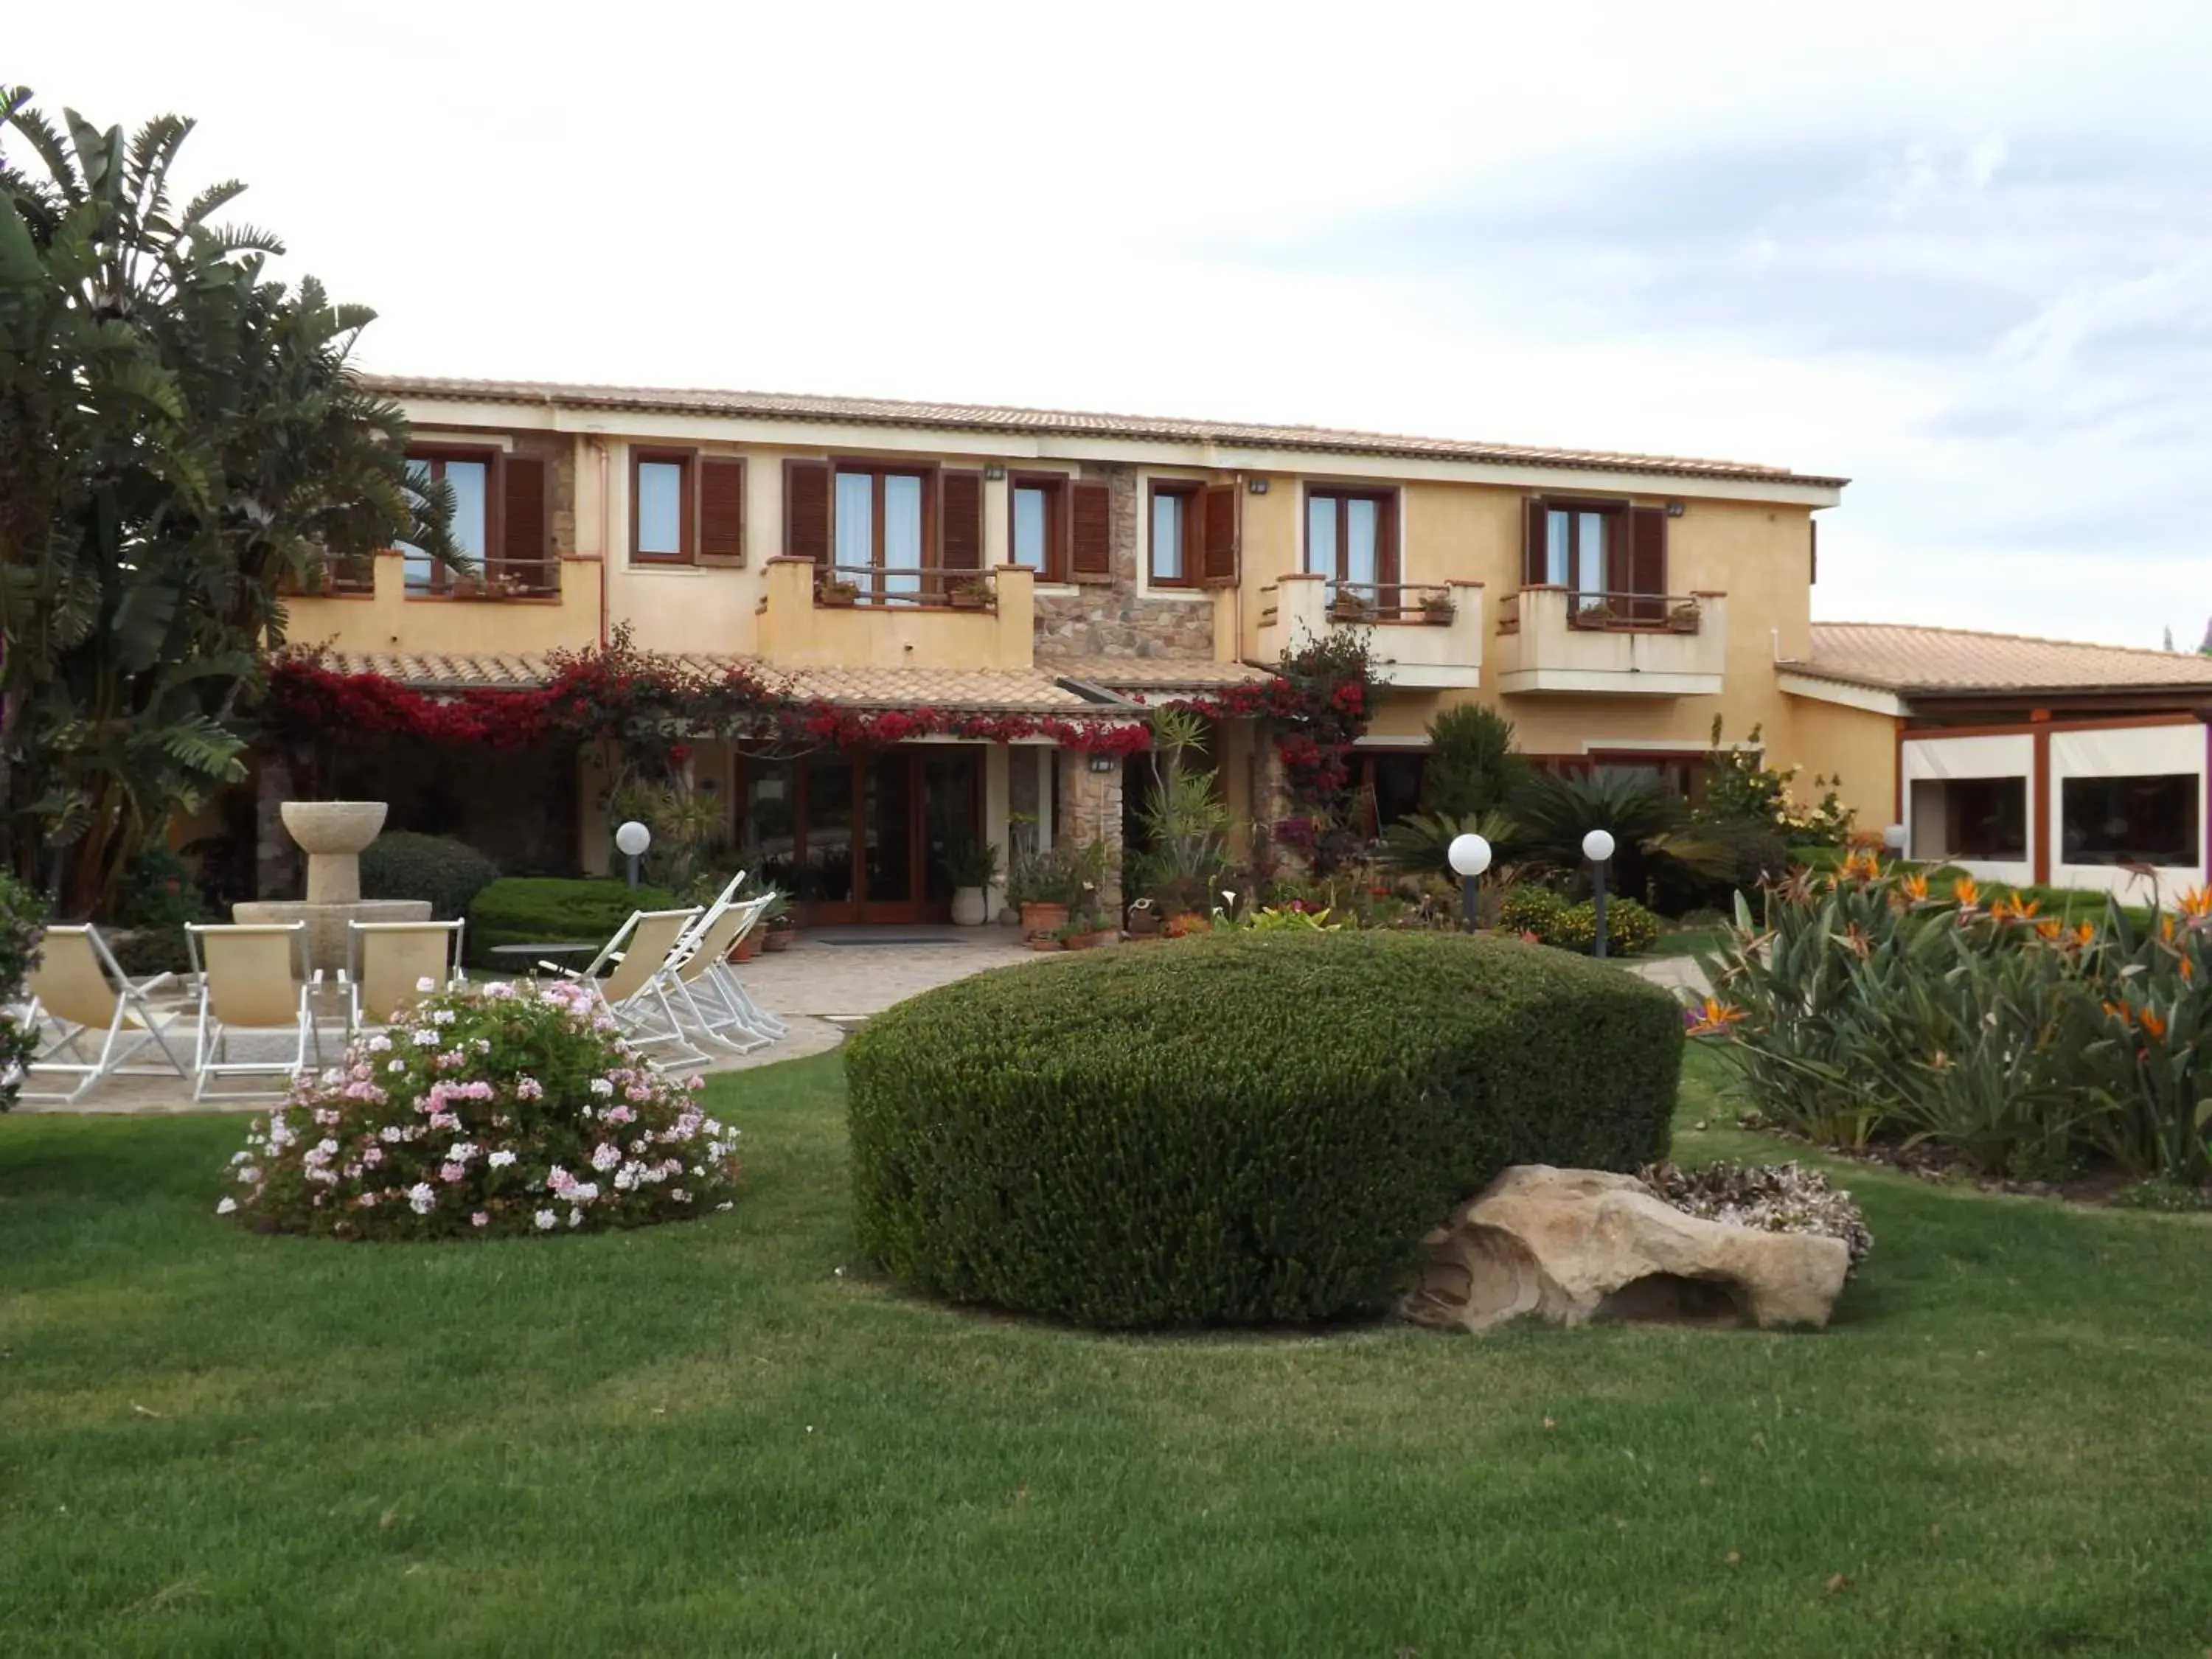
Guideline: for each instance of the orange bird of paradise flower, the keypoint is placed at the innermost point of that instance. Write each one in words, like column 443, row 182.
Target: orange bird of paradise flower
column 1967, row 891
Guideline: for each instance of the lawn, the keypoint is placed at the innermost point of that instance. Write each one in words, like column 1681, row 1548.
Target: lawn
column 719, row 1437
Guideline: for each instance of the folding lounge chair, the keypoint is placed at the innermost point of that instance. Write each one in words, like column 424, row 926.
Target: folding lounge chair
column 698, row 989
column 251, row 979
column 637, row 992
column 389, row 961
column 79, row 988
column 722, row 974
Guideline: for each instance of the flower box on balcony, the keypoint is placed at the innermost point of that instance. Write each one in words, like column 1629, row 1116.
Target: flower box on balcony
column 1438, row 613
column 1344, row 608
column 967, row 596
column 841, row 594
column 1682, row 619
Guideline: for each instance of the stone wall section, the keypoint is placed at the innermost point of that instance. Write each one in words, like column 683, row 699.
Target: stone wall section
column 1090, row 809
column 1115, row 620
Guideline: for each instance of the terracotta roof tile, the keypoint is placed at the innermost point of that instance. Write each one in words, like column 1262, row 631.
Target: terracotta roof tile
column 976, row 418
column 1893, row 657
column 1002, row 692
column 1146, row 675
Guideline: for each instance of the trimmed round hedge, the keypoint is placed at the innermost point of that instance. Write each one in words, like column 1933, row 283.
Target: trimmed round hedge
column 1241, row 1128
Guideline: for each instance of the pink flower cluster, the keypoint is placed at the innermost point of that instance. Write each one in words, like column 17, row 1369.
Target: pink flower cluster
column 439, row 1127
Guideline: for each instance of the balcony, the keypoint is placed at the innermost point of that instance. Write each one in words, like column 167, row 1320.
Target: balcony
column 864, row 616
column 1418, row 633
column 1555, row 640
column 375, row 604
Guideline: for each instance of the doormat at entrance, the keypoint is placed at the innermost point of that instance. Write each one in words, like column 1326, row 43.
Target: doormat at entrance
column 868, row 943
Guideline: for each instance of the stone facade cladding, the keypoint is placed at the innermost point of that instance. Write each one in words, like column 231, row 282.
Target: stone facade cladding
column 1116, row 620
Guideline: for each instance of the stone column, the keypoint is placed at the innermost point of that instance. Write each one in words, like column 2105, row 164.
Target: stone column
column 1090, row 809
column 1271, row 795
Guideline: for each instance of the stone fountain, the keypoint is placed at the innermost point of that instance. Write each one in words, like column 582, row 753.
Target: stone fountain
column 332, row 834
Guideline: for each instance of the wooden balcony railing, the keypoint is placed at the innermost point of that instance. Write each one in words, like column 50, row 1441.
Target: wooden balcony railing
column 1359, row 604
column 921, row 587
column 489, row 579
column 1616, row 613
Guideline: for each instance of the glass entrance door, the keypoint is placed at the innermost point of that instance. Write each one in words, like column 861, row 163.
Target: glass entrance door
column 864, row 838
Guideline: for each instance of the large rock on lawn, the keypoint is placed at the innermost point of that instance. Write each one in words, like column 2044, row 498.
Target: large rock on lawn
column 1574, row 1246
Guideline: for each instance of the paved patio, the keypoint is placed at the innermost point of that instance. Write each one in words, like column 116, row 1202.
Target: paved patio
column 829, row 981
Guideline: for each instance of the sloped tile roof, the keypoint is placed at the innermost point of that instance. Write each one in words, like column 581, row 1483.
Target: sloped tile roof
column 998, row 691
column 1152, row 675
column 980, row 417
column 1893, row 657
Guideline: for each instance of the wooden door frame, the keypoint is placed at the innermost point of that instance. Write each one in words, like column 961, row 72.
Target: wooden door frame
column 861, row 909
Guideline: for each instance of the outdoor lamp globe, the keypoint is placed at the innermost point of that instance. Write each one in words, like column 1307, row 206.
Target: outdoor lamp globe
column 1597, row 846
column 1469, row 855
column 632, row 839
column 1893, row 838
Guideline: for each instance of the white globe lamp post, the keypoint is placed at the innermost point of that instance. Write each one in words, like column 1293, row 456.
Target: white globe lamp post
column 1469, row 856
column 1894, row 838
column 1597, row 847
column 631, row 840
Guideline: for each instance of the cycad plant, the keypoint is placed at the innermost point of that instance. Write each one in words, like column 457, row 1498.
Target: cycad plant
column 1553, row 811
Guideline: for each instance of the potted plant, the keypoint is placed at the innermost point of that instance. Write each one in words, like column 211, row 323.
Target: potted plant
column 968, row 594
column 974, row 871
column 1351, row 606
column 1046, row 941
column 1437, row 610
column 1041, row 885
column 1683, row 617
column 1079, row 934
column 777, row 929
column 836, row 591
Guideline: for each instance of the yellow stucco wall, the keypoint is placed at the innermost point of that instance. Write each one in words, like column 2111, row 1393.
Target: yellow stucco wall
column 389, row 620
column 1857, row 745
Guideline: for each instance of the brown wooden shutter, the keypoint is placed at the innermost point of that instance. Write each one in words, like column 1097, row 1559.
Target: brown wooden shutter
column 1217, row 549
column 721, row 511
column 525, row 549
column 1812, row 550
column 1532, row 546
column 1090, row 533
column 1647, row 563
column 806, row 510
column 962, row 496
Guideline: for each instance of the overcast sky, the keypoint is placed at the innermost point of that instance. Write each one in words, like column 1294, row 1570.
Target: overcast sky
column 1960, row 252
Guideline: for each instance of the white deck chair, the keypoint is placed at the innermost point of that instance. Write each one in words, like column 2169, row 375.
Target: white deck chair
column 698, row 990
column 638, row 990
column 730, row 989
column 387, row 962
column 79, row 989
column 251, row 979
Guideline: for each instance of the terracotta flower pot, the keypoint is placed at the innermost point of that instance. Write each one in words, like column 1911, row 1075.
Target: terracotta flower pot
column 1043, row 918
column 1045, row 942
column 748, row 948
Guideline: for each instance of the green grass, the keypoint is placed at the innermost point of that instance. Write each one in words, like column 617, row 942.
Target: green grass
column 708, row 1439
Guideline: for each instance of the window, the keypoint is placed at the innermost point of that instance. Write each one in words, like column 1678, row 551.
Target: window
column 1174, row 520
column 1351, row 538
column 1038, row 538
column 1970, row 818
column 881, row 516
column 468, row 474
column 1575, row 553
column 661, row 519
column 2129, row 820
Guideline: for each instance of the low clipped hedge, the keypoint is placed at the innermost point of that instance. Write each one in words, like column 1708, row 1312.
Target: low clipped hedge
column 449, row 873
column 545, row 909
column 1235, row 1129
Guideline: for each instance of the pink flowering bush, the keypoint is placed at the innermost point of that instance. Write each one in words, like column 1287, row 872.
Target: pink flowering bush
column 495, row 1110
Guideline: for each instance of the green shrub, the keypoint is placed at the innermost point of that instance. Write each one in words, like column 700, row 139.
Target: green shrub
column 543, row 909
column 159, row 892
column 1529, row 908
column 406, row 865
column 1630, row 929
column 22, row 918
column 1089, row 1139
column 1472, row 766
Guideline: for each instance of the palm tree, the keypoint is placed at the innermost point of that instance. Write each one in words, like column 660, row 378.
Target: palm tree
column 181, row 439
column 1555, row 810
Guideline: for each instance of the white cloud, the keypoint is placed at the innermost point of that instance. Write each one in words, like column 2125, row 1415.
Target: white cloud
column 1943, row 249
